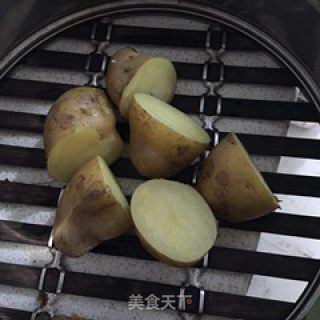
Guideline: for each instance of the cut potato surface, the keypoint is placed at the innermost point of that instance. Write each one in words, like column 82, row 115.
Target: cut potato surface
column 232, row 185
column 79, row 126
column 163, row 140
column 173, row 221
column 172, row 118
column 157, row 77
column 110, row 181
column 92, row 209
column 76, row 149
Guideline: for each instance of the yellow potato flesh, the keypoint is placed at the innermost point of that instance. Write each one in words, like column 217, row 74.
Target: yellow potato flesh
column 172, row 118
column 110, row 181
column 73, row 151
column 157, row 77
column 174, row 221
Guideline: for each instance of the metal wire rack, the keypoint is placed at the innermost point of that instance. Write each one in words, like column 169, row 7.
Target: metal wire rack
column 54, row 280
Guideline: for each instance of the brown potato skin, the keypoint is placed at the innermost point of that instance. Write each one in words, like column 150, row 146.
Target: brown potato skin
column 79, row 108
column 88, row 213
column 159, row 256
column 123, row 66
column 229, row 184
column 157, row 151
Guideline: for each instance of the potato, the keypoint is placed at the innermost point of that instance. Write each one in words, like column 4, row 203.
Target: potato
column 232, row 185
column 80, row 125
column 92, row 209
column 173, row 221
column 130, row 73
column 163, row 140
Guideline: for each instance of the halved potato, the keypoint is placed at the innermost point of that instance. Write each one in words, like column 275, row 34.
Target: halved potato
column 79, row 126
column 163, row 140
column 173, row 221
column 232, row 185
column 130, row 73
column 92, row 209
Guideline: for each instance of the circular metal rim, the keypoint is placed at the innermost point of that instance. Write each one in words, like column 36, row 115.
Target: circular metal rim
column 194, row 11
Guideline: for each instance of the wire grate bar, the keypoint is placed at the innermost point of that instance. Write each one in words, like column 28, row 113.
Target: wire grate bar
column 19, row 276
column 244, row 307
column 24, row 233
column 269, row 110
column 8, row 314
column 32, row 194
column 280, row 146
column 266, row 264
column 273, row 76
column 164, row 37
column 281, row 223
column 278, row 182
column 189, row 71
column 33, row 89
column 278, row 223
column 263, row 109
column 293, row 184
column 259, row 145
column 21, row 156
column 21, row 121
column 120, row 289
column 56, row 59
column 226, row 259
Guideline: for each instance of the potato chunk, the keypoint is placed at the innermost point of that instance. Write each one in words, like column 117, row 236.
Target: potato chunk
column 130, row 72
column 232, row 185
column 80, row 125
column 92, row 209
column 173, row 221
column 163, row 140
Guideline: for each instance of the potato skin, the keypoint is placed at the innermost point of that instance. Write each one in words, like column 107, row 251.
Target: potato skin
column 123, row 66
column 80, row 109
column 157, row 151
column 230, row 185
column 88, row 213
